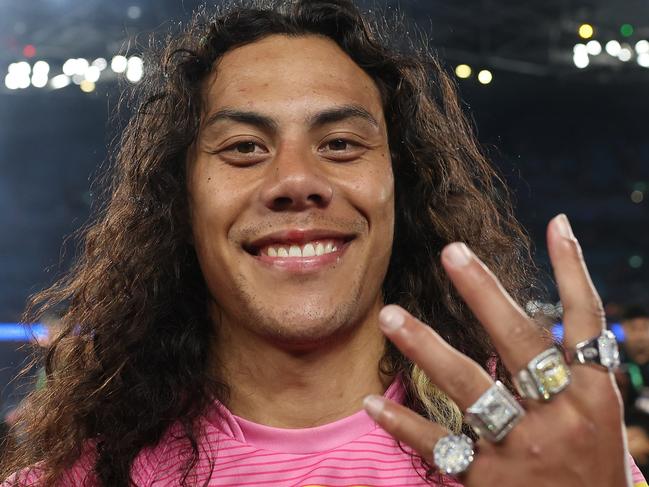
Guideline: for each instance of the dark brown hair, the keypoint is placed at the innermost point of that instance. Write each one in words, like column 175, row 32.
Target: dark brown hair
column 133, row 356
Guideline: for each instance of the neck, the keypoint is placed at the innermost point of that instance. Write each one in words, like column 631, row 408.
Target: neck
column 275, row 388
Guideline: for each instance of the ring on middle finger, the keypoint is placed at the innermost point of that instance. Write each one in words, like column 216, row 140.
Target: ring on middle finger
column 544, row 376
column 495, row 413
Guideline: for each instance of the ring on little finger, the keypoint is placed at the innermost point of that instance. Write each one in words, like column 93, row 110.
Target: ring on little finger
column 600, row 351
column 495, row 413
column 453, row 454
column 544, row 376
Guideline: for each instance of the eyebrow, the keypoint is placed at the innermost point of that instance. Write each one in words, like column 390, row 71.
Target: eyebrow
column 343, row 112
column 264, row 122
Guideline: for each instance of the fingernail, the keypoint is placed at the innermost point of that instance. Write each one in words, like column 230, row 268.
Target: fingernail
column 373, row 405
column 391, row 319
column 563, row 225
column 458, row 254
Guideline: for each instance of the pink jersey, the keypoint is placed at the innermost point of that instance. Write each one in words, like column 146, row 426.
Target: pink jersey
column 353, row 451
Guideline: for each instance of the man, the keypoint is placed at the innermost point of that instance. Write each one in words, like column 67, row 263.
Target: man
column 285, row 176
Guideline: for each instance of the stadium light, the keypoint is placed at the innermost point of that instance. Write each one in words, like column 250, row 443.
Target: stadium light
column 643, row 59
column 134, row 12
column 485, row 77
column 463, row 71
column 87, row 86
column 580, row 48
column 81, row 66
column 40, row 73
column 625, row 54
column 11, row 81
column 119, row 64
column 70, row 67
column 59, row 81
column 134, row 70
column 39, row 80
column 594, row 48
column 613, row 48
column 92, row 74
column 18, row 75
column 41, row 67
column 635, row 261
column 100, row 63
column 626, row 30
column 580, row 58
column 586, row 31
column 642, row 46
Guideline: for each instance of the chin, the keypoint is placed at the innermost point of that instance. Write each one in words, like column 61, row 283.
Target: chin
column 305, row 328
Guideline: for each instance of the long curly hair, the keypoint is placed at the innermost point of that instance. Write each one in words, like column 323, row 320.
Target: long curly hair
column 133, row 357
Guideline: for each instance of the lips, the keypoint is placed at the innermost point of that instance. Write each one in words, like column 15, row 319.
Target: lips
column 300, row 251
column 294, row 243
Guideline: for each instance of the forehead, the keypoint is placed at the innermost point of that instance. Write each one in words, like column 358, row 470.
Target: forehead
column 295, row 72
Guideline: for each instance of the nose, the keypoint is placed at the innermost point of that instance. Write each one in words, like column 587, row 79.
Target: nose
column 296, row 183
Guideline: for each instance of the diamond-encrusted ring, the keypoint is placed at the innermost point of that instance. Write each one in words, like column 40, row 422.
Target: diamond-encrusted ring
column 453, row 454
column 601, row 350
column 495, row 413
column 544, row 376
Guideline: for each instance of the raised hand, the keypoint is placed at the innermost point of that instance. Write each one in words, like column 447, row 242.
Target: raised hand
column 569, row 431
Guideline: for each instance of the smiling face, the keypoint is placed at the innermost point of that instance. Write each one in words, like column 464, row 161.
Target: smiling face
column 291, row 191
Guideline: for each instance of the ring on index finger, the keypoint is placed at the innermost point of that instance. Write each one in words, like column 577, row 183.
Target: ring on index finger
column 544, row 376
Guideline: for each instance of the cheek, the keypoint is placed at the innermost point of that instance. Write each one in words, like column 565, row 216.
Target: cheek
column 377, row 192
column 373, row 195
column 214, row 202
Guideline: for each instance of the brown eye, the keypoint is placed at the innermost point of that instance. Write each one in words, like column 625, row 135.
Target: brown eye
column 337, row 144
column 245, row 147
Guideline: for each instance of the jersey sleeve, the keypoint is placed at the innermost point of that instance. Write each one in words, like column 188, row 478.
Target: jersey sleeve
column 636, row 474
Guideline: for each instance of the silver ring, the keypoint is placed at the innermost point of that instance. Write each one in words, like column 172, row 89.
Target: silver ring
column 544, row 376
column 453, row 454
column 601, row 350
column 495, row 413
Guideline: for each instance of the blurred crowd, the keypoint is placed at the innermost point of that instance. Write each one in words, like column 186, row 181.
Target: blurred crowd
column 633, row 380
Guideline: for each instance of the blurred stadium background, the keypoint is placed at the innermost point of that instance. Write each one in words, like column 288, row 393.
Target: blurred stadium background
column 558, row 90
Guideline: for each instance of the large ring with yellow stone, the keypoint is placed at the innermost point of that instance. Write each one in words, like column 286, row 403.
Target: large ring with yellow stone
column 544, row 376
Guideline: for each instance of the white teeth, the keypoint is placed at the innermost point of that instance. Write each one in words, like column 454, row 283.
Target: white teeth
column 308, row 250
column 295, row 251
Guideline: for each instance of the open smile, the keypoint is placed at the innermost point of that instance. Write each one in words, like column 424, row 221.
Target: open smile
column 300, row 250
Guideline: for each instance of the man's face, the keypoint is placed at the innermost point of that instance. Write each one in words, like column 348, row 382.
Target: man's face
column 291, row 190
column 636, row 338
